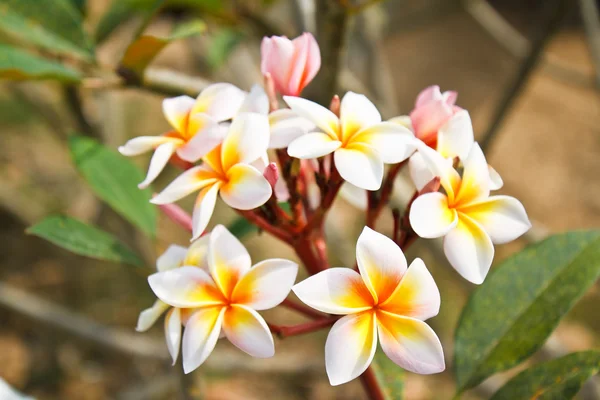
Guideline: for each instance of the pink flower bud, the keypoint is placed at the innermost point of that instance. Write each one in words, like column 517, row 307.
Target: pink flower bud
column 432, row 109
column 291, row 63
column 271, row 174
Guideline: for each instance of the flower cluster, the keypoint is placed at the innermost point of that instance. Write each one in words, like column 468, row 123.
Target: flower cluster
column 257, row 157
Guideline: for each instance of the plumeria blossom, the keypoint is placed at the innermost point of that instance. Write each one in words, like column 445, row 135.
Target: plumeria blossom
column 225, row 298
column 291, row 63
column 360, row 142
column 195, row 124
column 386, row 301
column 175, row 257
column 469, row 219
column 226, row 170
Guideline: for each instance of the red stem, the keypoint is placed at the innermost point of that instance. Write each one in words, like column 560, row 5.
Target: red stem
column 371, row 385
column 177, row 215
column 263, row 224
column 302, row 309
column 307, row 327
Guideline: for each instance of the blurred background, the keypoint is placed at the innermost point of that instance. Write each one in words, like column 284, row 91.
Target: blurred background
column 527, row 71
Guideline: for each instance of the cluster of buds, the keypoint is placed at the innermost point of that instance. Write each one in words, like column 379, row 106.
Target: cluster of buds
column 257, row 157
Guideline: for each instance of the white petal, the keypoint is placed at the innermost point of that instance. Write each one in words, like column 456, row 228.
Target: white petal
column 430, row 216
column 350, row 347
column 286, row 126
column 475, row 183
column 204, row 208
column 469, row 250
column 246, row 140
column 185, row 287
column 197, row 253
column 173, row 332
column 266, row 285
column 335, row 291
column 200, row 336
column 410, row 343
column 360, row 165
column 256, row 101
column 176, row 111
column 246, row 188
column 207, row 134
column 440, row 167
column 502, row 217
column 248, row 331
column 496, row 181
column 143, row 144
column 393, row 142
column 317, row 114
column 313, row 145
column 357, row 113
column 149, row 316
column 381, row 263
column 219, row 100
column 188, row 182
column 419, row 172
column 416, row 296
column 455, row 137
column 159, row 160
column 403, row 120
column 354, row 195
column 228, row 259
column 172, row 258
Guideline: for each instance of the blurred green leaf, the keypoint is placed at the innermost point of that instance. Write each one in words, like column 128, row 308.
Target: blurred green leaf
column 142, row 51
column 389, row 375
column 121, row 11
column 240, row 227
column 114, row 179
column 512, row 313
column 17, row 64
column 84, row 239
column 55, row 25
column 222, row 45
column 558, row 379
column 80, row 5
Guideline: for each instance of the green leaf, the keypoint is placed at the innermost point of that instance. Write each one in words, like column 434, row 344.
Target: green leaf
column 80, row 5
column 514, row 311
column 558, row 379
column 222, row 45
column 142, row 51
column 84, row 239
column 241, row 227
column 114, row 179
column 389, row 375
column 16, row 64
column 121, row 11
column 55, row 25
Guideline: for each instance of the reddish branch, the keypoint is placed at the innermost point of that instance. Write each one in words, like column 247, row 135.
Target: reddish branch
column 302, row 309
column 371, row 385
column 307, row 327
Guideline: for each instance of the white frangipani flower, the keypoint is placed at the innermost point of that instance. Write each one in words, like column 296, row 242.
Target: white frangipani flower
column 225, row 298
column 385, row 300
column 469, row 219
column 359, row 141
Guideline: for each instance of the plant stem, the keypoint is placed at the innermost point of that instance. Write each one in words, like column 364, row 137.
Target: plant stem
column 302, row 309
column 263, row 224
column 300, row 329
column 371, row 385
column 177, row 215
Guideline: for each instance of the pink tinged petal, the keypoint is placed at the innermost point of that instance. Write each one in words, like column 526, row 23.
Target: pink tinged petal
column 256, row 101
column 246, row 188
column 266, row 285
column 429, row 118
column 381, row 263
column 286, row 126
column 206, row 134
column 246, row 140
column 335, row 291
column 450, row 97
column 419, row 172
column 172, row 258
column 324, row 119
column 197, row 253
column 442, row 168
column 200, row 336
column 173, row 332
column 361, row 165
column 185, row 287
column 410, row 343
column 503, row 218
column 187, row 183
column 403, row 120
column 357, row 113
column 350, row 347
column 228, row 259
column 416, row 296
column 475, row 183
column 427, row 95
column 306, row 63
column 393, row 142
column 149, row 316
column 176, row 111
column 276, row 57
column 455, row 137
column 496, row 181
column 219, row 100
column 469, row 249
column 282, row 193
column 203, row 209
column 313, row 145
column 143, row 144
column 356, row 196
column 248, row 331
column 430, row 217
column 159, row 160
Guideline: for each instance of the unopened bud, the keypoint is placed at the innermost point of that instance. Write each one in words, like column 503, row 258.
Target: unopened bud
column 334, row 106
column 271, row 174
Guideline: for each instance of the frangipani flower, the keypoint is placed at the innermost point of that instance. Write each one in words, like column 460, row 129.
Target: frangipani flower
column 359, row 141
column 195, row 124
column 469, row 219
column 226, row 298
column 291, row 63
column 226, row 170
column 385, row 300
column 174, row 257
